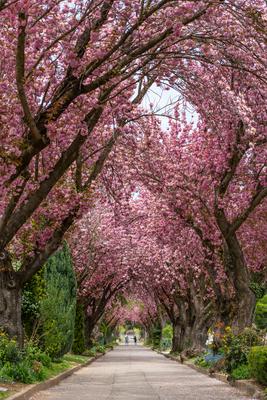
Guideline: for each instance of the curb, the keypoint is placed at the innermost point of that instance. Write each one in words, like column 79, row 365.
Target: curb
column 248, row 387
column 31, row 390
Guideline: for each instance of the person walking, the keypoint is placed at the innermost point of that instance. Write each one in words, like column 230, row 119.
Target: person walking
column 126, row 339
column 135, row 340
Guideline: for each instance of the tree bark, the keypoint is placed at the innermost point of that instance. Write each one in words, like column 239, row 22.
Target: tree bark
column 177, row 338
column 89, row 327
column 10, row 305
column 244, row 300
column 190, row 328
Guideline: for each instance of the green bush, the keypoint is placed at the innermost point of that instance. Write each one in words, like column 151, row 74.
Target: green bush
column 100, row 348
column 9, row 351
column 241, row 372
column 23, row 372
column 167, row 331
column 57, row 308
column 257, row 360
column 90, row 352
column 110, row 345
column 33, row 353
column 49, row 302
column 32, row 294
column 201, row 361
column 156, row 335
column 78, row 346
column 25, row 365
column 261, row 313
column 237, row 347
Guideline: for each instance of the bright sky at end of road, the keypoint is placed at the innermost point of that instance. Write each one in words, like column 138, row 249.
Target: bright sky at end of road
column 162, row 102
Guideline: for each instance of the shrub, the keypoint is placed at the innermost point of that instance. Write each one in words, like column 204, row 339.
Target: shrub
column 57, row 309
column 49, row 302
column 90, row 352
column 237, row 347
column 258, row 287
column 167, row 331
column 33, row 353
column 241, row 372
column 25, row 365
column 208, row 359
column 23, row 372
column 100, row 348
column 5, row 375
column 202, row 362
column 9, row 351
column 156, row 335
column 78, row 346
column 110, row 346
column 32, row 294
column 257, row 360
column 261, row 313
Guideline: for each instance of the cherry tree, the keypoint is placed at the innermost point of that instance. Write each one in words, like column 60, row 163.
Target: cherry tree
column 68, row 81
column 188, row 176
column 103, row 262
column 171, row 270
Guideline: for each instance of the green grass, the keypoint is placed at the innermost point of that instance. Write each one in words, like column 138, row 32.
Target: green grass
column 4, row 395
column 67, row 362
column 75, row 358
column 56, row 369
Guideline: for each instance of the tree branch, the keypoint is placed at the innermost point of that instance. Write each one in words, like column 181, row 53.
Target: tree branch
column 233, row 162
column 260, row 194
column 35, row 199
column 52, row 245
column 20, row 71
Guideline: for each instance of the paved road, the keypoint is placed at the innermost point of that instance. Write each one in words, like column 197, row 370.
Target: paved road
column 136, row 373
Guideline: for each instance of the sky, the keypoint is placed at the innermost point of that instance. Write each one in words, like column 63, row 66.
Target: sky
column 163, row 101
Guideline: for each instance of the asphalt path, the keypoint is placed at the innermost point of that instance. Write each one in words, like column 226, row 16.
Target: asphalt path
column 137, row 373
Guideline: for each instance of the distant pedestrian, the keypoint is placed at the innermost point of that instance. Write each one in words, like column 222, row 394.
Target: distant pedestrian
column 135, row 339
column 126, row 339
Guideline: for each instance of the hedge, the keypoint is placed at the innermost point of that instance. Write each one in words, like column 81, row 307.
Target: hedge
column 257, row 360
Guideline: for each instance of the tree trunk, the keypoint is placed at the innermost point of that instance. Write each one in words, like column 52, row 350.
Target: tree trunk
column 199, row 333
column 244, row 300
column 89, row 327
column 190, row 330
column 10, row 305
column 176, row 338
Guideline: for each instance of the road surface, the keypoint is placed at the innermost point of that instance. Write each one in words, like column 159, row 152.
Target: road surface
column 136, row 373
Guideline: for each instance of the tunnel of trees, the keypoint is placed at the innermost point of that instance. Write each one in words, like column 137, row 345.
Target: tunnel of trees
column 132, row 170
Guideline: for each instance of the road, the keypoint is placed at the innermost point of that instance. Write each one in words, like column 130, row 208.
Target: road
column 137, row 373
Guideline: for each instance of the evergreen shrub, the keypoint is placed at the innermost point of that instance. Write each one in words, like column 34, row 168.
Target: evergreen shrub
column 261, row 313
column 57, row 308
column 257, row 361
column 78, row 346
column 237, row 347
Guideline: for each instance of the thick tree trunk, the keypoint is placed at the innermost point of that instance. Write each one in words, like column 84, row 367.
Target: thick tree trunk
column 191, row 338
column 244, row 300
column 190, row 329
column 89, row 327
column 176, row 338
column 10, row 305
column 243, row 304
column 198, row 333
